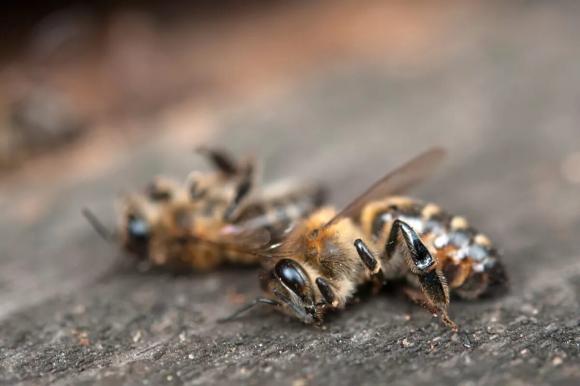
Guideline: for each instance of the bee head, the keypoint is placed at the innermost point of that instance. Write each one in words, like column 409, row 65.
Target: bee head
column 137, row 234
column 291, row 290
column 133, row 233
column 289, row 283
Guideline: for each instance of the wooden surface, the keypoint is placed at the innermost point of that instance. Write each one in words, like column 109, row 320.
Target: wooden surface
column 502, row 98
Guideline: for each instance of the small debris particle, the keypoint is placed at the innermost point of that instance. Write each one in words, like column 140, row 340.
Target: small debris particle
column 137, row 336
column 182, row 337
column 465, row 341
column 496, row 329
column 557, row 361
column 158, row 354
column 170, row 378
column 434, row 342
column 529, row 309
column 524, row 352
column 551, row 327
column 190, row 356
column 405, row 343
column 82, row 337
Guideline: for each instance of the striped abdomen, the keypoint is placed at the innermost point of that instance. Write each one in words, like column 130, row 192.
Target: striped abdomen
column 467, row 258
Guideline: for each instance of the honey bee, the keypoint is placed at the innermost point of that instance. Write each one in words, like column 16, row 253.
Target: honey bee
column 378, row 238
column 213, row 218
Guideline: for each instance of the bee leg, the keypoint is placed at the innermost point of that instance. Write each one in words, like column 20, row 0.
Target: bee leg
column 367, row 257
column 372, row 264
column 221, row 160
column 242, row 191
column 419, row 297
column 327, row 292
column 424, row 265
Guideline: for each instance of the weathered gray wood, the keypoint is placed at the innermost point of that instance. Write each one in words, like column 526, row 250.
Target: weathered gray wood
column 505, row 103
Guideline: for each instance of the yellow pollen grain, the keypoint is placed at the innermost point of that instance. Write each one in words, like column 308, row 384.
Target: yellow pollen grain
column 431, row 210
column 459, row 222
column 482, row 240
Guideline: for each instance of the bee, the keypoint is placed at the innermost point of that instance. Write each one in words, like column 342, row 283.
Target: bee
column 212, row 219
column 380, row 237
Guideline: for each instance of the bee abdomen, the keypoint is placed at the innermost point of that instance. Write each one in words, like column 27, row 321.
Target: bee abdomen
column 467, row 258
column 378, row 217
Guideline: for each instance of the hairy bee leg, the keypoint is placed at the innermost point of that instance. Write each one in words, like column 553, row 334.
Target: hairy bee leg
column 242, row 190
column 221, row 160
column 327, row 292
column 372, row 264
column 367, row 257
column 419, row 297
column 424, row 265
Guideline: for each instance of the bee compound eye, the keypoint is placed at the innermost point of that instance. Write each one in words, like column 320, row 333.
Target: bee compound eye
column 138, row 228
column 292, row 275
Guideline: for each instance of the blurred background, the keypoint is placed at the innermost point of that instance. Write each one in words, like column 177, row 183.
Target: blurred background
column 96, row 97
column 78, row 72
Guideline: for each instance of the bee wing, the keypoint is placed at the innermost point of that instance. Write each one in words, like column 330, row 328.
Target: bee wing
column 253, row 237
column 395, row 182
column 245, row 238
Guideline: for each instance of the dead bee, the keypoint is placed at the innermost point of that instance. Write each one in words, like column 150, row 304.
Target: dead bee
column 215, row 218
column 379, row 238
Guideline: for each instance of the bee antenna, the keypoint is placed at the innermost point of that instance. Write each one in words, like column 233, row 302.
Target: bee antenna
column 98, row 226
column 247, row 307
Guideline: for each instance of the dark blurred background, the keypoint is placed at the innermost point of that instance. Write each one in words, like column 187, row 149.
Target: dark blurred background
column 68, row 68
column 97, row 97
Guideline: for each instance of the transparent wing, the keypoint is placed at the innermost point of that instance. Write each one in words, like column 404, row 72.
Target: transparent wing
column 245, row 238
column 395, row 182
column 258, row 241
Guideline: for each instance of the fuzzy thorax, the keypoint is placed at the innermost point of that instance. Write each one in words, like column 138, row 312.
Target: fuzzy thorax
column 328, row 252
